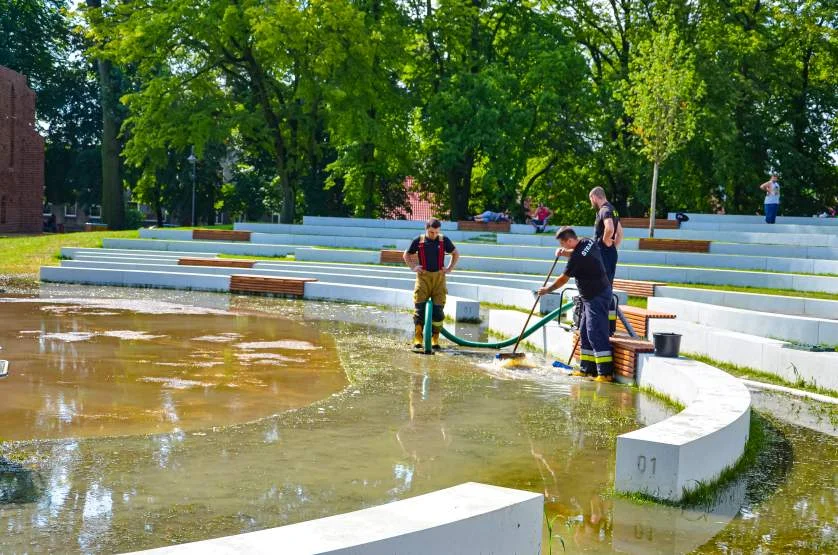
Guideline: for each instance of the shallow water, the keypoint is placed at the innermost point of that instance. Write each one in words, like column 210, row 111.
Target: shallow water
column 402, row 425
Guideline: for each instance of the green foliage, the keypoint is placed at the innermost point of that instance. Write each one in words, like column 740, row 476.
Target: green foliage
column 134, row 219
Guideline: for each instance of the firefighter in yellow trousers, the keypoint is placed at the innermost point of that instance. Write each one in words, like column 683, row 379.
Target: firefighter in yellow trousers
column 426, row 257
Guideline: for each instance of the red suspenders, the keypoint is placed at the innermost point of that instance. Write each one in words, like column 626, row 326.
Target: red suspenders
column 423, row 255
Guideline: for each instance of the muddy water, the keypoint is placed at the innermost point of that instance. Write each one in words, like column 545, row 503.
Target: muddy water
column 403, row 425
column 108, row 367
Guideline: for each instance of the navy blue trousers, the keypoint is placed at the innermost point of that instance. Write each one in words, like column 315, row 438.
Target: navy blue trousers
column 596, row 357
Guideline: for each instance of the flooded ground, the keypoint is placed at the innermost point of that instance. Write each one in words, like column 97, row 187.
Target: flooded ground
column 386, row 426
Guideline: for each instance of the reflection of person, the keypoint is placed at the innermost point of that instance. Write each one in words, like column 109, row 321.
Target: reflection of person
column 772, row 198
column 608, row 232
column 489, row 216
column 539, row 222
column 424, row 437
column 426, row 257
column 585, row 265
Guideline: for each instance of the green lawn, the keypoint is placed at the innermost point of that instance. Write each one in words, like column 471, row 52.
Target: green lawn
column 22, row 256
column 760, row 290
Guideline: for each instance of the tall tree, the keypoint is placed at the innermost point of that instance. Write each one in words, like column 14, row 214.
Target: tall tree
column 661, row 101
column 113, row 201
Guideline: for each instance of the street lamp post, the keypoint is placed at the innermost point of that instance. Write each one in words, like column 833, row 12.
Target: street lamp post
column 192, row 161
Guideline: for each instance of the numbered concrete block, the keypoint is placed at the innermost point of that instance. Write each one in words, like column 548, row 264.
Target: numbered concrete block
column 669, row 458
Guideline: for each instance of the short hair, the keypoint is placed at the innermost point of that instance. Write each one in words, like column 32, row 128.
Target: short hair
column 566, row 232
column 597, row 192
column 433, row 223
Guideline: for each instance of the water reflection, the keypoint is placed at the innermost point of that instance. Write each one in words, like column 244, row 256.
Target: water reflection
column 406, row 425
column 98, row 367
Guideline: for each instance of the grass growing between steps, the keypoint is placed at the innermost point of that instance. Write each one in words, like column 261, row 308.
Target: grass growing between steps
column 287, row 258
column 759, row 290
column 639, row 302
column 22, row 256
column 760, row 376
column 705, row 495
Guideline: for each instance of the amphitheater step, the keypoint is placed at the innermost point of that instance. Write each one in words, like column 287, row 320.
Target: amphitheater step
column 246, row 283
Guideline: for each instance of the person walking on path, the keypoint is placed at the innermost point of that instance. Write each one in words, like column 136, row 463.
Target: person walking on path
column 608, row 231
column 585, row 265
column 426, row 257
column 772, row 198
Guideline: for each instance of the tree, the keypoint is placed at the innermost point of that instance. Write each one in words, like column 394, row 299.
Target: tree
column 662, row 101
column 113, row 201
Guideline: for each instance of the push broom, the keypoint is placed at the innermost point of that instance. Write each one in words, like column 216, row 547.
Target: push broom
column 515, row 358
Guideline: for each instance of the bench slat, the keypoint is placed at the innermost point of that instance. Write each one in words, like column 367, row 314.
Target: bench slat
column 643, row 223
column 391, row 256
column 216, row 262
column 467, row 225
column 220, row 235
column 242, row 283
column 677, row 245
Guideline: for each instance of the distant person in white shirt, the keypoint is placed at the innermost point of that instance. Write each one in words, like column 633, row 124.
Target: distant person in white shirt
column 772, row 198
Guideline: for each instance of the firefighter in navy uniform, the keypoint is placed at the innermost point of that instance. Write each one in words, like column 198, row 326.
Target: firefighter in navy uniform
column 608, row 234
column 585, row 265
column 426, row 257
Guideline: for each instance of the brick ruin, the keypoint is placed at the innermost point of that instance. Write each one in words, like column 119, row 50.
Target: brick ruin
column 21, row 157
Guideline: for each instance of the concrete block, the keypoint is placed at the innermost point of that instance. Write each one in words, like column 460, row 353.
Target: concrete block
column 468, row 519
column 696, row 445
column 368, row 222
column 173, row 280
column 325, row 255
column 798, row 265
column 170, row 234
column 90, row 276
column 815, row 283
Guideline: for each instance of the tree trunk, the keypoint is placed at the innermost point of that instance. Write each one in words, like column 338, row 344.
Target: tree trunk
column 367, row 159
column 113, row 205
column 459, row 187
column 654, row 200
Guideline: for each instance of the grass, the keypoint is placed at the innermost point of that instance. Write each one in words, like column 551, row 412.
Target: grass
column 666, row 399
column 760, row 290
column 287, row 258
column 639, row 302
column 760, row 376
column 22, row 256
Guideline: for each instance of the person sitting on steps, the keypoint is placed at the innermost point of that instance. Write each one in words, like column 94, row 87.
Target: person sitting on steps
column 426, row 257
column 489, row 216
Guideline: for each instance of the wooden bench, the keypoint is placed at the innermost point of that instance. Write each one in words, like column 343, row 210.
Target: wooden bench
column 220, row 235
column 391, row 256
column 636, row 288
column 643, row 223
column 492, row 227
column 272, row 285
column 624, row 351
column 216, row 262
column 679, row 245
column 639, row 319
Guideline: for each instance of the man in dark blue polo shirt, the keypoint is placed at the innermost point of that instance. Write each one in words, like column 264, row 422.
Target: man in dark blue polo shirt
column 585, row 266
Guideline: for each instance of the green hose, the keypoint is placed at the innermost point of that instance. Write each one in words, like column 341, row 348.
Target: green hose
column 506, row 342
column 426, row 335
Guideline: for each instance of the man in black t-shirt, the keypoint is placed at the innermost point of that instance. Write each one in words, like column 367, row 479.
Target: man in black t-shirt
column 608, row 232
column 585, row 266
column 426, row 257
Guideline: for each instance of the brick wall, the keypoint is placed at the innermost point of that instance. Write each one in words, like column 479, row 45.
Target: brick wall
column 21, row 157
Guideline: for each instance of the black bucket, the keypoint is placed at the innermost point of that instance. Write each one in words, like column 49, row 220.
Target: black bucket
column 667, row 344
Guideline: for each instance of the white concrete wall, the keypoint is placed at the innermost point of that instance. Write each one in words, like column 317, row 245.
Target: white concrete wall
column 338, row 240
column 752, row 351
column 798, row 306
column 349, row 231
column 668, row 458
column 802, row 329
column 457, row 308
column 469, row 519
column 168, row 234
column 346, row 257
column 370, row 222
column 215, row 247
column 756, row 220
column 135, row 278
column 75, row 252
column 754, row 236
